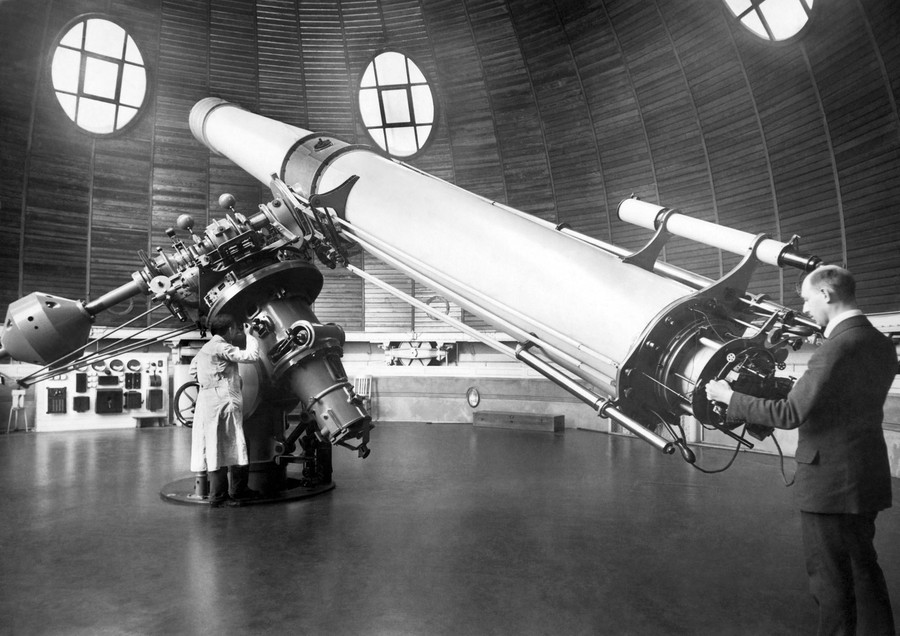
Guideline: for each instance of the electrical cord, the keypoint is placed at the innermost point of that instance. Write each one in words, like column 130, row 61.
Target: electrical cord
column 681, row 437
column 712, row 471
column 784, row 478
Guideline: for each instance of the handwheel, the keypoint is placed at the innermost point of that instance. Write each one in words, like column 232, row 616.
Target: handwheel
column 185, row 401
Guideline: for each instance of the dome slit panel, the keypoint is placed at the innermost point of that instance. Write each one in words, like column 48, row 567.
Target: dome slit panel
column 798, row 147
column 31, row 20
column 673, row 136
column 571, row 149
column 330, row 104
column 863, row 130
column 119, row 217
column 180, row 166
column 473, row 140
column 282, row 94
column 731, row 137
column 618, row 126
column 517, row 122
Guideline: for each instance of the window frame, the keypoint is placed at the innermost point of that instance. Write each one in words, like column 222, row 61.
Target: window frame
column 811, row 14
column 423, row 147
column 148, row 75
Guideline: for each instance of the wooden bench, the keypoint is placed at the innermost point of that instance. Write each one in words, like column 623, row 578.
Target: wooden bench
column 520, row 421
column 148, row 420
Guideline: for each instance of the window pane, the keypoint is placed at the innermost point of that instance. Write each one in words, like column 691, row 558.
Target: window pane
column 415, row 75
column 401, row 141
column 132, row 54
column 738, row 6
column 68, row 103
column 100, row 78
column 752, row 22
column 423, row 132
column 396, row 106
column 423, row 104
column 125, row 115
column 73, row 37
column 391, row 69
column 369, row 107
column 65, row 69
column 368, row 78
column 96, row 116
column 378, row 136
column 785, row 17
column 104, row 37
column 134, row 85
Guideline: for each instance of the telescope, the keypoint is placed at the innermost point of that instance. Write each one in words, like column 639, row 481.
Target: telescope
column 633, row 337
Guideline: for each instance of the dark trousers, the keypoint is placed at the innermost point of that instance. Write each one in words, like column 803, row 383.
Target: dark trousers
column 218, row 481
column 844, row 576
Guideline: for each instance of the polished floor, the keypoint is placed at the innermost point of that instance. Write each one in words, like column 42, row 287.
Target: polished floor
column 443, row 530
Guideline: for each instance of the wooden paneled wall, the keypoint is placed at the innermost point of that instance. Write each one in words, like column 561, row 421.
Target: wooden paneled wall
column 559, row 108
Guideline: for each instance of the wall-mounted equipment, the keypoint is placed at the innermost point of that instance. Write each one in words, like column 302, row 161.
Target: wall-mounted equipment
column 108, row 401
column 154, row 400
column 133, row 400
column 56, row 400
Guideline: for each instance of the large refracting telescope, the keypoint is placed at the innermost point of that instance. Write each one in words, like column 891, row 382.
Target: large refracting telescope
column 631, row 336
column 634, row 338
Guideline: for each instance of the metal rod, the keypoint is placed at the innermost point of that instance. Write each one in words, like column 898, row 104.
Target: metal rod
column 47, row 366
column 389, row 253
column 434, row 313
column 127, row 348
column 670, row 390
column 686, row 379
column 603, row 406
column 37, row 376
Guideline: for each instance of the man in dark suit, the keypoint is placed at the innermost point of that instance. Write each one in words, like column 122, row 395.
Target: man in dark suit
column 843, row 476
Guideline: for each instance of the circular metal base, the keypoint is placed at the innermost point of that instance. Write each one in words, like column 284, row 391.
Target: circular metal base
column 182, row 492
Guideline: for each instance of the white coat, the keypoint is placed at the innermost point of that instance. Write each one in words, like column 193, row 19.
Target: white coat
column 217, row 438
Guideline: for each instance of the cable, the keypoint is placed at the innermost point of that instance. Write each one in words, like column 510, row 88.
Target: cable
column 787, row 483
column 710, row 324
column 682, row 439
column 708, row 471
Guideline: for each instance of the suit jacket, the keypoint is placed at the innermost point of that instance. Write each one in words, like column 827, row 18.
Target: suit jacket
column 838, row 405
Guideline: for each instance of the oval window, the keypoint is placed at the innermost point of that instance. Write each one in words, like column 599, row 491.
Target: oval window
column 774, row 20
column 396, row 104
column 98, row 75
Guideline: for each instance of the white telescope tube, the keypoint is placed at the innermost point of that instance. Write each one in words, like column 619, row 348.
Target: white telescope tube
column 649, row 215
column 527, row 274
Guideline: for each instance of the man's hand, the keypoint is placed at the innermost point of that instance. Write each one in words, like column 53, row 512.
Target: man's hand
column 719, row 391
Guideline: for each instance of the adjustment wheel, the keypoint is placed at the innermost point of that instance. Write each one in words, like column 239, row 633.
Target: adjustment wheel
column 185, row 401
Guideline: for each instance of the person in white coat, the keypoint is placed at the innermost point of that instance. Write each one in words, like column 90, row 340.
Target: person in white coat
column 217, row 439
